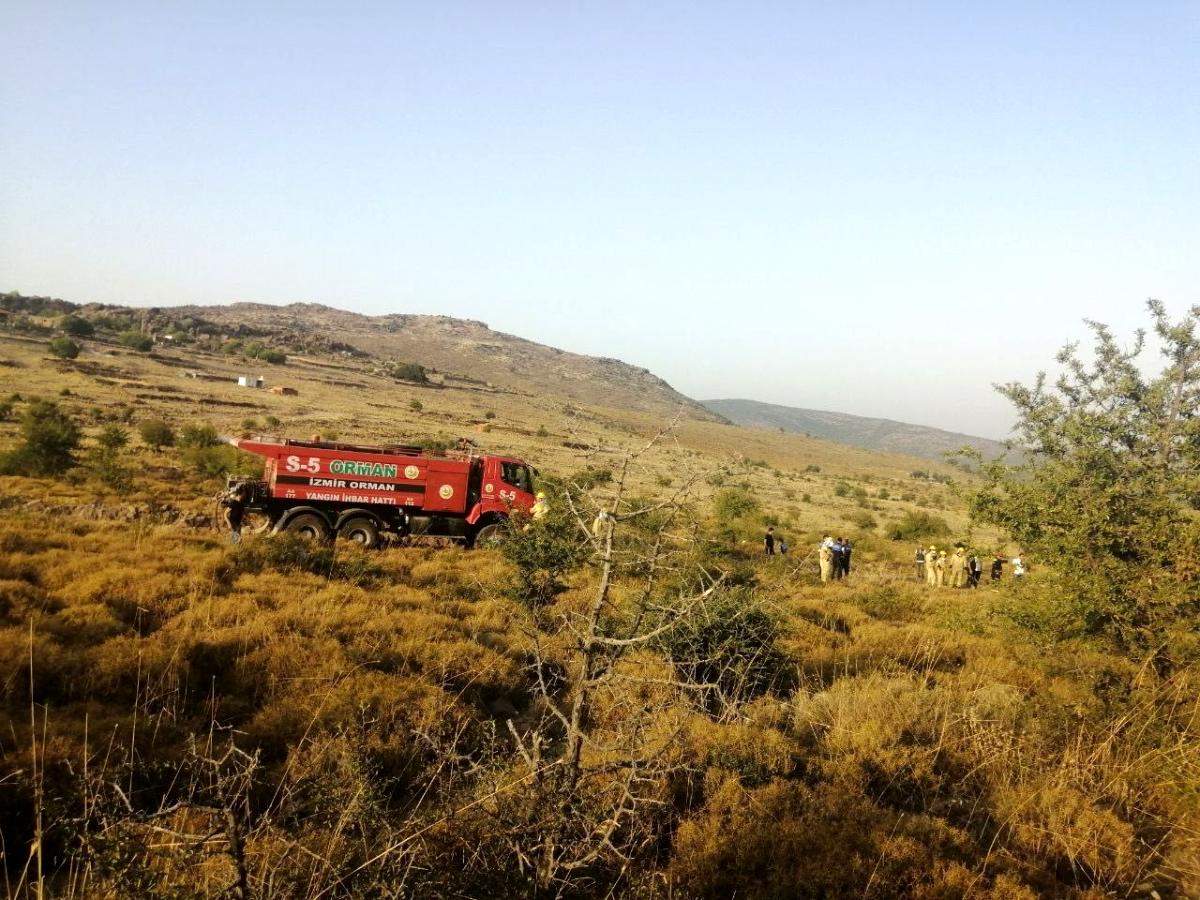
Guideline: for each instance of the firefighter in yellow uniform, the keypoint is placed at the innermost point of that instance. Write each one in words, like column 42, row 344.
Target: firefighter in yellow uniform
column 931, row 566
column 541, row 507
column 825, row 556
column 958, row 567
column 940, row 569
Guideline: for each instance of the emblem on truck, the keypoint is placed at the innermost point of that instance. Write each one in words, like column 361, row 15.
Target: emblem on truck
column 445, row 492
column 411, row 472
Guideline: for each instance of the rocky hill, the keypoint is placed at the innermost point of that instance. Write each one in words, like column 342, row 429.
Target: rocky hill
column 859, row 431
column 460, row 347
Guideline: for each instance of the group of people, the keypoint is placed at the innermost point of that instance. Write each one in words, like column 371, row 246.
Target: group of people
column 960, row 568
column 834, row 558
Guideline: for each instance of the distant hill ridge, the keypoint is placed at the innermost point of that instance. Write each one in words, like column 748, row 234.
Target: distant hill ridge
column 859, row 431
column 463, row 347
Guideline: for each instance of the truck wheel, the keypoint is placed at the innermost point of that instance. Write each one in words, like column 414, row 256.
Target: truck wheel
column 489, row 535
column 361, row 531
column 309, row 526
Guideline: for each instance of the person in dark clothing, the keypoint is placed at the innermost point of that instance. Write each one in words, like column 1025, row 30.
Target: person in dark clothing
column 769, row 541
column 846, row 551
column 783, row 548
column 997, row 568
column 920, row 558
column 974, row 571
column 235, row 502
column 839, row 553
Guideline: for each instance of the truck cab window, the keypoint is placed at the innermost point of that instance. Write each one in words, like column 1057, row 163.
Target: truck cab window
column 518, row 476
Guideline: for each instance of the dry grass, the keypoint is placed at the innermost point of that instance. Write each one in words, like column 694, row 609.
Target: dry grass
column 199, row 718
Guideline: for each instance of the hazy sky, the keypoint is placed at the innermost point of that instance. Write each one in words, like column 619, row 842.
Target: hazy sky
column 878, row 208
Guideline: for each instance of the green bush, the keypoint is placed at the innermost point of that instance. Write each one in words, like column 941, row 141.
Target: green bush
column 415, row 405
column 407, row 371
column 64, row 348
column 729, row 644
column 863, row 520
column 105, row 459
column 198, row 436
column 734, row 503
column 590, row 476
column 76, row 326
column 135, row 340
column 49, row 440
column 156, row 433
column 542, row 554
column 915, row 526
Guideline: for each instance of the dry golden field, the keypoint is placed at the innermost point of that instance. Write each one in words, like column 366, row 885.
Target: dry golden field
column 182, row 718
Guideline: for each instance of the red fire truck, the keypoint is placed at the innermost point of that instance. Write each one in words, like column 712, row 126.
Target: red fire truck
column 322, row 489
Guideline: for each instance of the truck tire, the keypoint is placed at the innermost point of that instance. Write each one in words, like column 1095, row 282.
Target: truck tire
column 489, row 535
column 309, row 526
column 360, row 530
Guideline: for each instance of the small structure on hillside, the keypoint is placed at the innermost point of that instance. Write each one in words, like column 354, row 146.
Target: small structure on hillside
column 252, row 381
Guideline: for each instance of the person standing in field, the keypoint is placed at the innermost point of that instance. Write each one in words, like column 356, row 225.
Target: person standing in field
column 958, row 567
column 782, row 547
column 847, row 549
column 541, row 506
column 940, row 570
column 235, row 502
column 769, row 540
column 997, row 567
column 920, row 563
column 838, row 550
column 931, row 567
column 1018, row 568
column 974, row 570
column 825, row 557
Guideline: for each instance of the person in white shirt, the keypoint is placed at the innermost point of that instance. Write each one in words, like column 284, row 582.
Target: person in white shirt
column 1018, row 567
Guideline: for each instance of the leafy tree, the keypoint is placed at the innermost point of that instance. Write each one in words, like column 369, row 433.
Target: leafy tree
column 49, row 439
column 156, row 433
column 135, row 340
column 76, row 326
column 1109, row 485
column 274, row 357
column 64, row 348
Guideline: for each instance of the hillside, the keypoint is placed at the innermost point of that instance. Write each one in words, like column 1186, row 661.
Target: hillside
column 460, row 347
column 859, row 431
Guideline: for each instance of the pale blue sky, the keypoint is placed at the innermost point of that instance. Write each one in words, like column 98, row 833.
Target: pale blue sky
column 879, row 208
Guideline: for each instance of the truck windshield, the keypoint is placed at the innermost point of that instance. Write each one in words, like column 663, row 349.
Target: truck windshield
column 518, row 476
